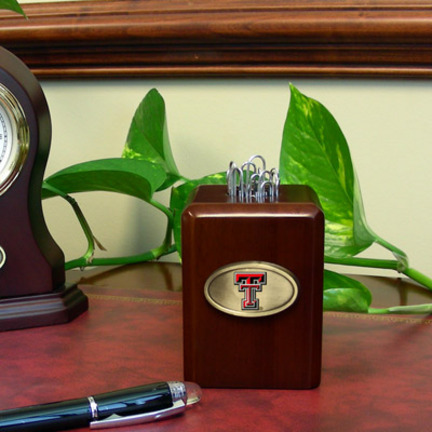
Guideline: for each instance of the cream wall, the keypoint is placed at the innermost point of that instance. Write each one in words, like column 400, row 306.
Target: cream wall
column 387, row 124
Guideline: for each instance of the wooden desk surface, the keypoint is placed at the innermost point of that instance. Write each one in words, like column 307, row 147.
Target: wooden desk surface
column 375, row 376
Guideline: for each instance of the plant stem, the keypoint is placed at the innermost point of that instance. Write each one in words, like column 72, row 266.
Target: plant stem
column 425, row 308
column 364, row 262
column 413, row 274
column 165, row 249
column 167, row 211
column 81, row 218
column 419, row 277
column 400, row 255
column 132, row 259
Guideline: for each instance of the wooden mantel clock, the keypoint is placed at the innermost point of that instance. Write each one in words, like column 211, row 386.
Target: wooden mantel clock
column 32, row 276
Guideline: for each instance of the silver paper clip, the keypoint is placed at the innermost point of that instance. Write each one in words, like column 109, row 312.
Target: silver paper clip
column 252, row 182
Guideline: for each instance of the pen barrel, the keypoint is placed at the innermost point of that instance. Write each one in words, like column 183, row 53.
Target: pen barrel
column 78, row 413
column 136, row 400
column 47, row 418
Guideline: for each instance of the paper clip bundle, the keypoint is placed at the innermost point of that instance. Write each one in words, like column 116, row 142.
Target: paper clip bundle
column 252, row 182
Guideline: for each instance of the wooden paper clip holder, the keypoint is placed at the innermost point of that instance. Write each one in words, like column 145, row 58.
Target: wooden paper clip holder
column 252, row 290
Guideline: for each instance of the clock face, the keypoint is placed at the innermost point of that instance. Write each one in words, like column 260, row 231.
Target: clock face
column 14, row 138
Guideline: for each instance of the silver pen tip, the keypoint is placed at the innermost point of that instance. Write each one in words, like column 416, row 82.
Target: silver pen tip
column 193, row 392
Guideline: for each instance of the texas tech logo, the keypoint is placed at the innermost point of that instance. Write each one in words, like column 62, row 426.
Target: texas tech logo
column 250, row 284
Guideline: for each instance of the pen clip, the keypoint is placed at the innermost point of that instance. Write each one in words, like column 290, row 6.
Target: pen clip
column 116, row 420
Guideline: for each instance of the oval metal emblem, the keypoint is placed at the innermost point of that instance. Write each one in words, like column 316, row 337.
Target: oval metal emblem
column 251, row 289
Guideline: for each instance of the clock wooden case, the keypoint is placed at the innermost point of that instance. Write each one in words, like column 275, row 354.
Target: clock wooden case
column 32, row 276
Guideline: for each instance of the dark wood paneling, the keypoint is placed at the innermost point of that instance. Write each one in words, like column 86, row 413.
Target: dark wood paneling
column 171, row 38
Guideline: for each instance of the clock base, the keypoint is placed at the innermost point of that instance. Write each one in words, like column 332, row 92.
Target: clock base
column 56, row 307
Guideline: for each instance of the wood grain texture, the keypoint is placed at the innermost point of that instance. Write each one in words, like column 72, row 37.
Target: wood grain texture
column 165, row 38
column 281, row 351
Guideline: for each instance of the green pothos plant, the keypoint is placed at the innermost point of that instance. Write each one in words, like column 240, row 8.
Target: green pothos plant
column 314, row 151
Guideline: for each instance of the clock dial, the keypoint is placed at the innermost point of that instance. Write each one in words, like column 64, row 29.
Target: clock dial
column 14, row 138
column 5, row 139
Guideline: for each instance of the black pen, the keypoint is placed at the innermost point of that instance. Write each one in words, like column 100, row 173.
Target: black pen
column 114, row 409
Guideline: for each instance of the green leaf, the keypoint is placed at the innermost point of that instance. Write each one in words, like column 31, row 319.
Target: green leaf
column 12, row 5
column 315, row 152
column 148, row 137
column 180, row 198
column 132, row 177
column 341, row 293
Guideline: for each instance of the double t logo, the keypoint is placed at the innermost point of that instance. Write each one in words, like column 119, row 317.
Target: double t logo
column 250, row 284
